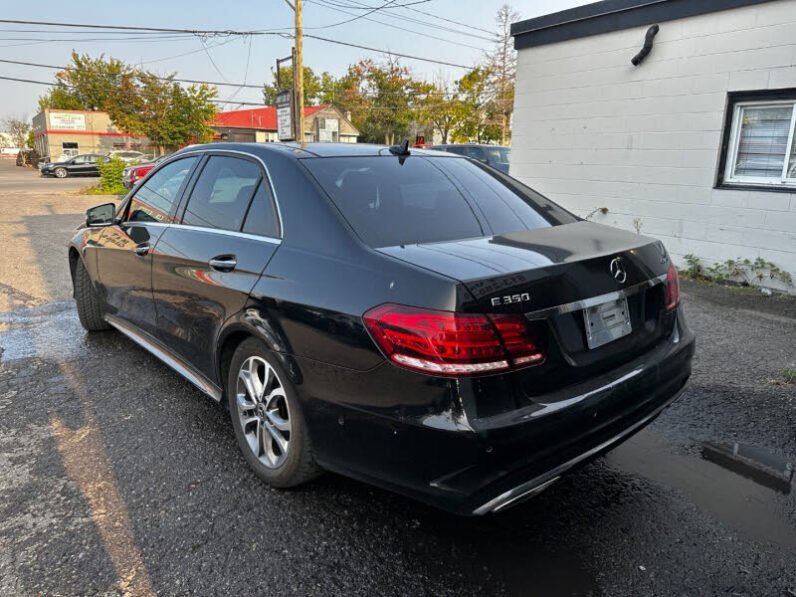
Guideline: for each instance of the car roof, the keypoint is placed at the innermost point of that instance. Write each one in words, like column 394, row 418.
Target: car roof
column 309, row 150
column 470, row 145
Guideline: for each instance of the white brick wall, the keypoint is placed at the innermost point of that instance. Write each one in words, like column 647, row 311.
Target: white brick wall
column 590, row 130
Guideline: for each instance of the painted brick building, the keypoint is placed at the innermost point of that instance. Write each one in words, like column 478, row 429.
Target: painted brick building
column 64, row 133
column 695, row 145
column 321, row 123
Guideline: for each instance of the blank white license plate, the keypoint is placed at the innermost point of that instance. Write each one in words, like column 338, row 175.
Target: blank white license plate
column 606, row 322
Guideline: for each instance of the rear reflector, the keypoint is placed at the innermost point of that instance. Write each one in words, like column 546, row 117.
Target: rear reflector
column 448, row 343
column 672, row 288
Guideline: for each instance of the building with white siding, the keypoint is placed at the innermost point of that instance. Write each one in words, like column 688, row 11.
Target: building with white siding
column 694, row 145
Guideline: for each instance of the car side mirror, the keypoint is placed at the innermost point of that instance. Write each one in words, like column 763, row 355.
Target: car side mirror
column 100, row 215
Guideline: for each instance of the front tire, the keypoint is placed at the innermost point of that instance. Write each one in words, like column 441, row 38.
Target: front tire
column 89, row 305
column 61, row 173
column 267, row 419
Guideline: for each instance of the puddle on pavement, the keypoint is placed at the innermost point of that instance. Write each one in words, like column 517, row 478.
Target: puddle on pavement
column 737, row 493
column 49, row 331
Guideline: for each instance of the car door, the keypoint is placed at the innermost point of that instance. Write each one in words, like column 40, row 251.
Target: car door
column 80, row 165
column 207, row 263
column 124, row 255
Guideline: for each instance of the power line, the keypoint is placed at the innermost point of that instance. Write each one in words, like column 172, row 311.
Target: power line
column 217, row 83
column 357, row 17
column 392, row 25
column 228, row 32
column 409, row 56
column 232, row 33
column 359, row 5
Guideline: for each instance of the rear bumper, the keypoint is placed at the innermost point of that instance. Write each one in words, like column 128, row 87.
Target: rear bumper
column 478, row 466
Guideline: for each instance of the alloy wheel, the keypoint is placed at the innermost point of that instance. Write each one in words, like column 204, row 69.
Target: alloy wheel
column 263, row 411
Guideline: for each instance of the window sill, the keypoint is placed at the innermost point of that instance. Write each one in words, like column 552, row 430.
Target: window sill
column 746, row 186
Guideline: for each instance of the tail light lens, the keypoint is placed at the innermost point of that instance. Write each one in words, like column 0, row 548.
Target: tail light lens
column 447, row 343
column 672, row 288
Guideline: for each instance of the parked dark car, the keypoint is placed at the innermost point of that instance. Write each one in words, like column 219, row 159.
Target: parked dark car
column 496, row 156
column 416, row 320
column 80, row 165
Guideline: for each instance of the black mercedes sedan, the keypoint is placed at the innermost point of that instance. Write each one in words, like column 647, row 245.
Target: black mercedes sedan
column 80, row 165
column 406, row 317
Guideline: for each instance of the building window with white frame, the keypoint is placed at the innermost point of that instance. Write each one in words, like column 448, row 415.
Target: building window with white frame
column 760, row 149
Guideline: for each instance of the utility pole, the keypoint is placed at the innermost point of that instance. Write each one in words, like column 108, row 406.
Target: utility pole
column 298, row 74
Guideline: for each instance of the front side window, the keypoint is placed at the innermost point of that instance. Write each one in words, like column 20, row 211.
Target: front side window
column 222, row 193
column 154, row 200
column 760, row 146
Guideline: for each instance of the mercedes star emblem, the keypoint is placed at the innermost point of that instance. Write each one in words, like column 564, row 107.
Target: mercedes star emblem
column 618, row 270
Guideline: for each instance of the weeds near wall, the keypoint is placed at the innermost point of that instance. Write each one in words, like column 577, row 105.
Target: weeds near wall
column 594, row 212
column 740, row 271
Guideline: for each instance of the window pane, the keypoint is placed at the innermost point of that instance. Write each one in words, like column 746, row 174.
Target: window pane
column 791, row 173
column 763, row 141
column 262, row 218
column 507, row 206
column 392, row 203
column 222, row 193
column 154, row 200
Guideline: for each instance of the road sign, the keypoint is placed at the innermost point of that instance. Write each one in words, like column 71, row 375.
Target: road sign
column 284, row 115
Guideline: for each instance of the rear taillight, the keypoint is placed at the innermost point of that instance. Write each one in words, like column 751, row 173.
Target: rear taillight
column 447, row 343
column 672, row 288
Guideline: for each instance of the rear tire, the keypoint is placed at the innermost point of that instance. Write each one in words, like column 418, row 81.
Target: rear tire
column 267, row 418
column 89, row 305
column 61, row 173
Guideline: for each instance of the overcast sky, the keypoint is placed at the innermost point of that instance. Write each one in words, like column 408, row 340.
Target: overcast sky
column 228, row 62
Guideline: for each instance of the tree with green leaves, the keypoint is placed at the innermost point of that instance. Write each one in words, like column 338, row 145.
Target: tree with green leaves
column 439, row 106
column 476, row 119
column 312, row 85
column 86, row 84
column 18, row 130
column 158, row 108
column 137, row 101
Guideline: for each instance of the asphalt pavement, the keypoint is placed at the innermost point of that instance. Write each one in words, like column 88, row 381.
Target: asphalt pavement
column 118, row 477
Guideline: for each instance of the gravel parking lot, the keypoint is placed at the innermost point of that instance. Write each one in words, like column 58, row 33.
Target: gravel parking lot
column 116, row 476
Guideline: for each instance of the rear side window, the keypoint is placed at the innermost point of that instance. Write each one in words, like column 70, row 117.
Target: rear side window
column 155, row 199
column 262, row 219
column 389, row 203
column 504, row 208
column 222, row 193
column 429, row 199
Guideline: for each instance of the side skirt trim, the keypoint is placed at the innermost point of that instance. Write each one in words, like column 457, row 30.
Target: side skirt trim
column 156, row 348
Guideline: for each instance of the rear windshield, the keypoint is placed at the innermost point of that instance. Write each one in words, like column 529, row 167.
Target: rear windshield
column 429, row 199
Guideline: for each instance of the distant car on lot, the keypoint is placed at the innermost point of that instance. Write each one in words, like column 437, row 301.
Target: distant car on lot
column 132, row 174
column 80, row 165
column 129, row 156
column 496, row 156
column 410, row 318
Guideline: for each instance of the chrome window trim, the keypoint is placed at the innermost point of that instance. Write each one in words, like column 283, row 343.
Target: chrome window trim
column 596, row 300
column 211, row 151
column 267, row 239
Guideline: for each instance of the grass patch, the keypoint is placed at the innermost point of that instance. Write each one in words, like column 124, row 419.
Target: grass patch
column 95, row 190
column 787, row 377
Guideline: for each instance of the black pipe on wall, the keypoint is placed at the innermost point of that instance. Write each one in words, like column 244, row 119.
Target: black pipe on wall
column 651, row 33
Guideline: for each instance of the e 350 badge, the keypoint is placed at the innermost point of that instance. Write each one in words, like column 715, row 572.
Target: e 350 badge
column 510, row 299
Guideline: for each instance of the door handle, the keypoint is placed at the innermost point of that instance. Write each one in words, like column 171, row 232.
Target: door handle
column 223, row 263
column 142, row 249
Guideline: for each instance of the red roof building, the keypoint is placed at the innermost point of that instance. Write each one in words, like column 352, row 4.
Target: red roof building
column 321, row 123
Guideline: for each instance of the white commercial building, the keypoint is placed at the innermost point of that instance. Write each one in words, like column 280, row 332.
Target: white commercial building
column 693, row 145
